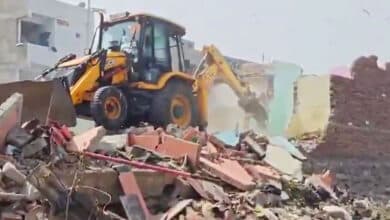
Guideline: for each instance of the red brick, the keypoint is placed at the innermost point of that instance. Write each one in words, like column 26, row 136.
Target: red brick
column 169, row 146
column 211, row 148
column 130, row 186
column 149, row 141
column 190, row 133
column 262, row 172
column 231, row 172
column 10, row 115
column 217, row 143
column 327, row 178
column 176, row 148
column 90, row 138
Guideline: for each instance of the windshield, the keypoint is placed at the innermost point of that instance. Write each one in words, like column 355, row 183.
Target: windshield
column 119, row 34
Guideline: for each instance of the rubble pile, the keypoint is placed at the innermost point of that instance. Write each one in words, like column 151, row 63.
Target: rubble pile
column 356, row 141
column 47, row 172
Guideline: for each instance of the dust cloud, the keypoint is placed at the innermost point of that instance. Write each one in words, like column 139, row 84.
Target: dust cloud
column 224, row 113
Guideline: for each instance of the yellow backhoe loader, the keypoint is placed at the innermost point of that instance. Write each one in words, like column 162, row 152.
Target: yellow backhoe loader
column 135, row 71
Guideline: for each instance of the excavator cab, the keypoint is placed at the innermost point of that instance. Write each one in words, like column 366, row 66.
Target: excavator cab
column 152, row 45
column 139, row 74
column 135, row 71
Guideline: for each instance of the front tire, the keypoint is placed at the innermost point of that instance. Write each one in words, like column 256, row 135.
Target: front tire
column 109, row 107
column 174, row 104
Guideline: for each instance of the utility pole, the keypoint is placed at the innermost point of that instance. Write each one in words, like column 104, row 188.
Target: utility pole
column 88, row 22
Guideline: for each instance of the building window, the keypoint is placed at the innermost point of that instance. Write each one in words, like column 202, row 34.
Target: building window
column 36, row 30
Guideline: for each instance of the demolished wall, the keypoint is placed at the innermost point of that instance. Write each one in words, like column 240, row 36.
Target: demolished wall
column 357, row 137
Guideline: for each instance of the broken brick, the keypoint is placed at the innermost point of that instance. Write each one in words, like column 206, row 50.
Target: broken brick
column 262, row 172
column 231, row 172
column 254, row 146
column 82, row 142
column 190, row 134
column 198, row 187
column 130, row 187
column 169, row 146
column 149, row 141
column 10, row 115
column 211, row 148
column 178, row 148
column 217, row 143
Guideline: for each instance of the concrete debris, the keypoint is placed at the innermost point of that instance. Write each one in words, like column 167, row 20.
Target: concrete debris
column 167, row 145
column 337, row 212
column 228, row 138
column 231, row 172
column 154, row 173
column 284, row 143
column 281, row 160
column 82, row 142
column 175, row 210
column 10, row 116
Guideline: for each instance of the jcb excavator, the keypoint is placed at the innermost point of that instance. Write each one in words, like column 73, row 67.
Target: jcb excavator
column 135, row 71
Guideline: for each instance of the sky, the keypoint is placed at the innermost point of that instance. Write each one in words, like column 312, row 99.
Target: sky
column 317, row 35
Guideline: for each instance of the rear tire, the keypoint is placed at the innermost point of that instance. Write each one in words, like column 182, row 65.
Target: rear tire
column 174, row 104
column 109, row 108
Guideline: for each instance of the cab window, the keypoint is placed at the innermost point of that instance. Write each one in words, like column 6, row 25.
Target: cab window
column 161, row 47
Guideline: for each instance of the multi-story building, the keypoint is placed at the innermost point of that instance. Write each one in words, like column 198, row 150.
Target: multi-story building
column 35, row 34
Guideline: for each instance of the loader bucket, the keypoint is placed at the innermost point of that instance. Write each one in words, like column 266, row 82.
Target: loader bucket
column 43, row 100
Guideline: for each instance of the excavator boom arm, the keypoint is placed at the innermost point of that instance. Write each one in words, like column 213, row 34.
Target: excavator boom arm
column 215, row 65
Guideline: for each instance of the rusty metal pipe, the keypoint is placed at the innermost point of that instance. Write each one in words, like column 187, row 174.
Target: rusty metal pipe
column 139, row 164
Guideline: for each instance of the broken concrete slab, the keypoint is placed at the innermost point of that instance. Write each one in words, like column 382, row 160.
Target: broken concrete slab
column 56, row 193
column 10, row 116
column 337, row 212
column 130, row 187
column 282, row 142
column 198, row 187
column 281, row 160
column 152, row 183
column 229, row 138
column 105, row 179
column 147, row 130
column 111, row 142
column 10, row 216
column 34, row 147
column 30, row 192
column 215, row 191
column 176, row 209
column 322, row 183
column 254, row 146
column 18, row 137
column 262, row 173
column 133, row 208
column 229, row 171
column 11, row 172
column 84, row 141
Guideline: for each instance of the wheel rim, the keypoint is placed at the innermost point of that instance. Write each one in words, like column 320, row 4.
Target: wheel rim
column 181, row 110
column 112, row 108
